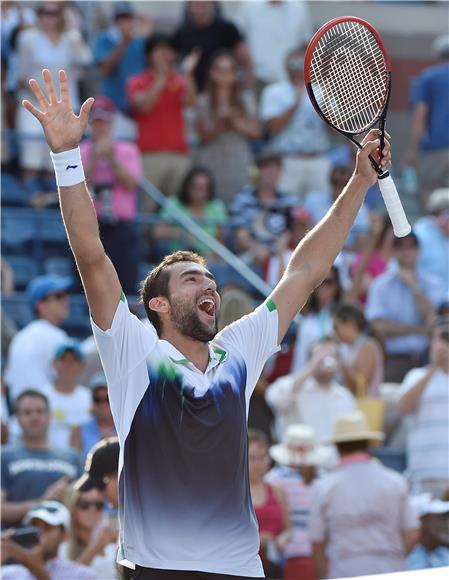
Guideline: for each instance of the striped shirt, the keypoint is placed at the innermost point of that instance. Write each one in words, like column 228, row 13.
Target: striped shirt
column 298, row 496
column 428, row 439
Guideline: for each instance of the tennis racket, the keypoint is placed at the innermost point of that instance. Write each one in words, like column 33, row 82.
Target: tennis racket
column 348, row 78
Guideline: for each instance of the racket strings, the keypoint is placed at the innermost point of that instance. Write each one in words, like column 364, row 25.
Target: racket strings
column 349, row 77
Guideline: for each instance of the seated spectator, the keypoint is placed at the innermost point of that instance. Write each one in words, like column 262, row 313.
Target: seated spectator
column 401, row 306
column 92, row 539
column 286, row 24
column 360, row 495
column 32, row 471
column 85, row 435
column 312, row 396
column 31, row 352
column 432, row 550
column 157, row 98
column 101, row 470
column 52, row 519
column 362, row 361
column 197, row 200
column 432, row 231
column 298, row 224
column 297, row 132
column 53, row 45
column 113, row 169
column 316, row 320
column 259, row 214
column 298, row 459
column 372, row 259
column 68, row 400
column 119, row 52
column 205, row 30
column 269, row 504
column 318, row 202
column 424, row 396
column 226, row 122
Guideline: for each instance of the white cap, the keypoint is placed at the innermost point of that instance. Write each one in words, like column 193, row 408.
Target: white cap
column 424, row 504
column 53, row 513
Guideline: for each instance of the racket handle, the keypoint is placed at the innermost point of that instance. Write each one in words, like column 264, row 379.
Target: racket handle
column 401, row 227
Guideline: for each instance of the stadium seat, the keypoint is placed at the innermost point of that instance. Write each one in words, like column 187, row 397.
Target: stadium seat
column 25, row 269
column 17, row 307
column 13, row 192
column 18, row 230
column 60, row 265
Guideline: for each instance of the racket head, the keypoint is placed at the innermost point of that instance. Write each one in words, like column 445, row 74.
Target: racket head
column 347, row 74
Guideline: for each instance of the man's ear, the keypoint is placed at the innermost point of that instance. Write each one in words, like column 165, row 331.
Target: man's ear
column 159, row 304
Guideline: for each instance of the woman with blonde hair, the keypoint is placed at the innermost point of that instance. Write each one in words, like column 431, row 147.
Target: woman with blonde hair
column 93, row 536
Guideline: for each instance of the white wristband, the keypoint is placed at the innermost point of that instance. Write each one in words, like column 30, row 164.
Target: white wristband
column 68, row 167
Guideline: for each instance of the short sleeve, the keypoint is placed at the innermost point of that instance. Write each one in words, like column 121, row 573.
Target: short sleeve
column 410, row 379
column 317, row 527
column 5, row 470
column 125, row 344
column 255, row 338
column 275, row 100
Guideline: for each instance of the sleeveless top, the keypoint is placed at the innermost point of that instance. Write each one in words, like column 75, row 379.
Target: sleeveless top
column 269, row 515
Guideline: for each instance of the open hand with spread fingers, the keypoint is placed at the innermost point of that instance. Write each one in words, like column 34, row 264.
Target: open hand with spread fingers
column 62, row 128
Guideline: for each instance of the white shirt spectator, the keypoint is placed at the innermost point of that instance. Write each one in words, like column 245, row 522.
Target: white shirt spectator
column 314, row 405
column 428, row 436
column 31, row 355
column 286, row 24
column 67, row 410
column 361, row 511
column 56, row 570
column 306, row 133
column 103, row 565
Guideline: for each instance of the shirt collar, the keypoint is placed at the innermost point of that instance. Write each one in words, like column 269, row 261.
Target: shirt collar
column 217, row 356
column 359, row 457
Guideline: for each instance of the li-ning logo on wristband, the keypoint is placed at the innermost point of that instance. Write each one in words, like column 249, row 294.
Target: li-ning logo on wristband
column 71, row 167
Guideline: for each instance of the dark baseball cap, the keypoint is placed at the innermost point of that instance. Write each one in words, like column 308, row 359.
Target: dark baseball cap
column 101, row 461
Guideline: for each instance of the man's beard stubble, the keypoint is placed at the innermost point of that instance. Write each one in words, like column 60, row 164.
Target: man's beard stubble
column 186, row 320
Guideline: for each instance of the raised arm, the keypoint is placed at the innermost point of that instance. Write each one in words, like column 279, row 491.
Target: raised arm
column 63, row 131
column 316, row 253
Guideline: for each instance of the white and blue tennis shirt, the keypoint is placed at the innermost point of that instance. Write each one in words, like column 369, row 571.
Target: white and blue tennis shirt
column 184, row 496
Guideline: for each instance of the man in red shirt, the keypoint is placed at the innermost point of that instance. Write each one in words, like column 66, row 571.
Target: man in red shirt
column 157, row 97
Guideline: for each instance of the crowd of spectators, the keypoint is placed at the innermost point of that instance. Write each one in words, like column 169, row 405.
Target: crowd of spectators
column 349, row 423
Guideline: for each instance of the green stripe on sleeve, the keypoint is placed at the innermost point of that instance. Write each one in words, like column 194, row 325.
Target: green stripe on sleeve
column 270, row 305
column 122, row 297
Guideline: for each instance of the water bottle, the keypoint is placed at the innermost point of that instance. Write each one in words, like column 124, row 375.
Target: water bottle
column 409, row 181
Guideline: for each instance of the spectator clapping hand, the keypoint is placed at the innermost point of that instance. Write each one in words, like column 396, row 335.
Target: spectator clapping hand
column 31, row 558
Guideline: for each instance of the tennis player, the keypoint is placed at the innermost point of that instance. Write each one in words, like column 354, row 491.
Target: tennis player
column 179, row 391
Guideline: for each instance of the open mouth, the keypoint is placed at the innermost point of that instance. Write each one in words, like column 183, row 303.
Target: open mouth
column 207, row 306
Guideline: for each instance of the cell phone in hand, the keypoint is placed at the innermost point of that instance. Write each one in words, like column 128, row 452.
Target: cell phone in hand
column 26, row 537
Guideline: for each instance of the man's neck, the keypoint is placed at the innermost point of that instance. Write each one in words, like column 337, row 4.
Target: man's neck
column 40, row 444
column 195, row 351
column 65, row 387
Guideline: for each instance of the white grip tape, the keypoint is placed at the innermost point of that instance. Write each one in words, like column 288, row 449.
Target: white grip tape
column 401, row 227
column 68, row 167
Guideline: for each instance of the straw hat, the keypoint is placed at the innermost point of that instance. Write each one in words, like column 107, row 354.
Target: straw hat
column 298, row 448
column 354, row 427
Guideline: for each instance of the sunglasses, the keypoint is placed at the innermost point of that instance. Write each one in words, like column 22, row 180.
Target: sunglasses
column 55, row 296
column 96, row 399
column 84, row 504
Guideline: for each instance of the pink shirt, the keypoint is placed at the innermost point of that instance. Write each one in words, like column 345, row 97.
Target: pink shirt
column 124, row 202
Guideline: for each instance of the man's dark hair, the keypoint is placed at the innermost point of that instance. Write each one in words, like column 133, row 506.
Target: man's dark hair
column 30, row 393
column 397, row 242
column 156, row 40
column 349, row 447
column 156, row 283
